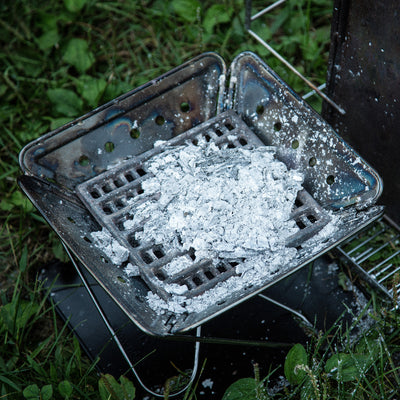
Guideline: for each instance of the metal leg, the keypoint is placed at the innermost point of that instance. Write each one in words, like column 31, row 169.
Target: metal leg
column 117, row 341
column 294, row 312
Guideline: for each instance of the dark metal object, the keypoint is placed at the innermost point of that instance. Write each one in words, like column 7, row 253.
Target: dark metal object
column 364, row 76
column 337, row 178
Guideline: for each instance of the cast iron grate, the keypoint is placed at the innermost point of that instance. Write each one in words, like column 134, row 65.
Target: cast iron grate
column 107, row 196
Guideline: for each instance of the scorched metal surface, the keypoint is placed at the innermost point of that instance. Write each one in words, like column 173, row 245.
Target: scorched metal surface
column 184, row 102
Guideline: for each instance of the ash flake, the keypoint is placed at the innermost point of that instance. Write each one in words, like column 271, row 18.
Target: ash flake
column 131, row 270
column 110, row 247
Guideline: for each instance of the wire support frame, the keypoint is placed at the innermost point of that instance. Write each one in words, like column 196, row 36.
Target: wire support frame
column 119, row 344
column 385, row 269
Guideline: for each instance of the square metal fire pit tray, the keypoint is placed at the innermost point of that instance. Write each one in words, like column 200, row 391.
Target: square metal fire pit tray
column 81, row 176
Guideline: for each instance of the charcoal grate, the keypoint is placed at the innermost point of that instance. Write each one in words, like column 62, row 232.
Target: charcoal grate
column 107, row 197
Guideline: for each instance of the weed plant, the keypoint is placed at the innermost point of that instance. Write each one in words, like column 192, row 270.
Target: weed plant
column 59, row 60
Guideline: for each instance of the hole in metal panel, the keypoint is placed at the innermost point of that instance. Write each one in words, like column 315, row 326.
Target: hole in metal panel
column 160, row 276
column 277, row 126
column 189, row 284
column 298, row 203
column 107, row 188
column 158, row 252
column 330, row 179
column 135, row 133
column 119, row 203
column 229, row 126
column 120, row 225
column 311, row 218
column 141, row 171
column 195, row 142
column 86, row 239
column 209, row 275
column 300, row 224
column 84, row 161
column 260, row 109
column 197, row 281
column 121, row 279
column 207, row 137
column 312, row 162
column 185, row 106
column 118, row 183
column 109, row 147
column 133, row 241
column 231, row 146
column 192, row 253
column 160, row 120
column 129, row 177
column 242, row 141
column 221, row 268
column 233, row 263
column 95, row 194
column 146, row 257
column 218, row 132
column 107, row 210
column 70, row 219
column 295, row 144
column 139, row 190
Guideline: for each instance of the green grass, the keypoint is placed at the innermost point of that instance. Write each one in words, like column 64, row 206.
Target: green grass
column 60, row 59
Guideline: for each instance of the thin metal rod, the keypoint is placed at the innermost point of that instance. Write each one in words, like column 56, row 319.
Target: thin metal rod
column 294, row 70
column 364, row 255
column 233, row 342
column 118, row 343
column 267, row 9
column 382, row 271
column 384, row 262
column 277, row 303
column 309, row 94
column 389, row 275
column 378, row 250
column 365, row 241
